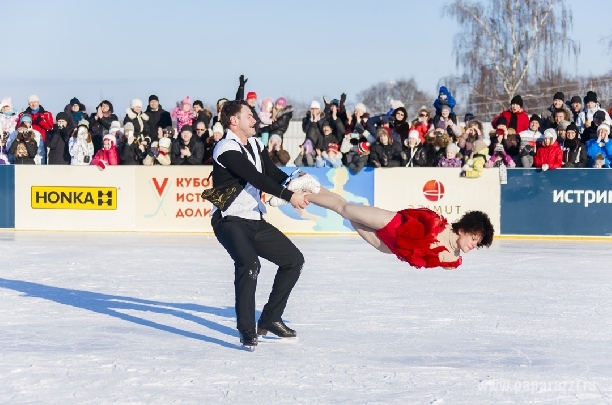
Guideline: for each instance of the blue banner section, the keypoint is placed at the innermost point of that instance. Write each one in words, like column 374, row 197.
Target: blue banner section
column 557, row 202
column 7, row 196
column 357, row 189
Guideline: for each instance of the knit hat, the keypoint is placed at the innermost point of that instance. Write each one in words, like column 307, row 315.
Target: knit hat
column 308, row 145
column 468, row 117
column 604, row 126
column 590, row 96
column 33, row 97
column 479, row 145
column 452, row 147
column 136, row 103
column 563, row 125
column 165, row 143
column 251, row 94
column 128, row 126
column 153, row 97
column 62, row 116
column 361, row 107
column 517, row 100
column 395, row 104
column 445, row 107
column 363, row 147
column 550, row 133
column 499, row 148
column 275, row 138
column 572, row 127
column 414, row 134
column 187, row 100
column 6, row 102
column 315, row 104
column 576, row 99
column 115, row 126
column 170, row 130
column 110, row 138
column 83, row 123
column 25, row 117
column 326, row 124
column 600, row 115
column 282, row 101
column 600, row 159
column 333, row 147
column 186, row 128
column 559, row 96
column 217, row 128
column 502, row 121
column 534, row 117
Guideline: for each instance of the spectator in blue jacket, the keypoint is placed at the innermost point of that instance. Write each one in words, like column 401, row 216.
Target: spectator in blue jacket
column 445, row 98
column 600, row 145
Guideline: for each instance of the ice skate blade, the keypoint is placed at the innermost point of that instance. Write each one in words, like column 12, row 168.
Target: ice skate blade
column 248, row 348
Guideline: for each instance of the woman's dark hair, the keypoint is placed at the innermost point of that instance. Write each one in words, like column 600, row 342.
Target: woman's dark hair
column 231, row 109
column 476, row 223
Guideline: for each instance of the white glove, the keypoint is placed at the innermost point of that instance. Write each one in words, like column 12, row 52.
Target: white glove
column 544, row 167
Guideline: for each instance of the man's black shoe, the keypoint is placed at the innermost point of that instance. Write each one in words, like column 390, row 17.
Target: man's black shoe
column 278, row 328
column 248, row 337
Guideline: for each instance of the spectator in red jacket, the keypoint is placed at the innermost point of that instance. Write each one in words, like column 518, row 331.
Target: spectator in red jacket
column 422, row 124
column 549, row 154
column 42, row 121
column 516, row 117
column 108, row 154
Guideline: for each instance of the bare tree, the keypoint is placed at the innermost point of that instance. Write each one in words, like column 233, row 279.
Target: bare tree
column 506, row 44
column 377, row 97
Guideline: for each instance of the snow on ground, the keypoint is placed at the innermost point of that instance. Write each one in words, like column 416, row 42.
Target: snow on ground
column 148, row 319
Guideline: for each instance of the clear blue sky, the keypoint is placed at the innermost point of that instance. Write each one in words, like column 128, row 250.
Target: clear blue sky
column 127, row 49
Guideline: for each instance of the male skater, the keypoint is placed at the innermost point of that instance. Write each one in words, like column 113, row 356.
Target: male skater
column 242, row 169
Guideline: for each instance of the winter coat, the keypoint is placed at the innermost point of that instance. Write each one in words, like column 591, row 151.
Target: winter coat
column 429, row 155
column 8, row 123
column 574, row 154
column 587, row 116
column 411, row 154
column 98, row 127
column 496, row 161
column 594, row 148
column 422, row 128
column 182, row 117
column 195, row 146
column 386, row 155
column 450, row 101
column 313, row 130
column 551, row 155
column 327, row 161
column 589, row 133
column 42, row 120
column 209, row 147
column 80, row 150
column 511, row 144
column 522, row 120
column 356, row 126
column 475, row 165
column 74, row 118
column 548, row 117
column 160, row 118
column 131, row 154
column 110, row 157
column 280, row 126
column 240, row 96
column 57, row 142
column 41, row 154
column 203, row 116
column 306, row 160
column 446, row 162
column 24, row 150
column 356, row 162
column 399, row 129
column 139, row 120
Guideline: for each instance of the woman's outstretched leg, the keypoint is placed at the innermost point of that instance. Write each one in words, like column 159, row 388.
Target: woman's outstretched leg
column 372, row 217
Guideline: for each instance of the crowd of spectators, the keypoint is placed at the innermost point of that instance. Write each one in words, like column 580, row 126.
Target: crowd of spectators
column 571, row 133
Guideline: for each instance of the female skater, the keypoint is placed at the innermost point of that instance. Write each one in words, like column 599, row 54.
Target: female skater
column 418, row 236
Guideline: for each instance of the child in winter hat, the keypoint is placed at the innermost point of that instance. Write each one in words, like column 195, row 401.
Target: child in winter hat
column 331, row 157
column 452, row 157
column 183, row 114
column 265, row 115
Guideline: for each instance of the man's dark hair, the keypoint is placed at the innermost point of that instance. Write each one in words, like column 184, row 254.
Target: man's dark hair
column 231, row 109
column 476, row 223
column 198, row 102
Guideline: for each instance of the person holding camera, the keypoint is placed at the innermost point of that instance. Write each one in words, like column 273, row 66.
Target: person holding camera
column 80, row 145
column 473, row 133
column 41, row 154
column 133, row 148
column 24, row 147
column 58, row 139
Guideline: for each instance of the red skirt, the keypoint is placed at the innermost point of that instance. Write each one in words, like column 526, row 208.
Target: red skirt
column 410, row 235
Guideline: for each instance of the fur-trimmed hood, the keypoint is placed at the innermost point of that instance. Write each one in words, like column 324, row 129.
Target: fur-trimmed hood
column 286, row 110
column 130, row 113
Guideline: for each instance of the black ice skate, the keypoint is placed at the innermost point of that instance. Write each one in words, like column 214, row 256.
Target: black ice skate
column 278, row 328
column 248, row 337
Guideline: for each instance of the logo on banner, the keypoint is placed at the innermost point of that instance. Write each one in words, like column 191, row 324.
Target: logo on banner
column 74, row 198
column 433, row 190
column 160, row 192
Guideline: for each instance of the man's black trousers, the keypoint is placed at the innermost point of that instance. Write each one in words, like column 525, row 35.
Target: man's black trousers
column 246, row 240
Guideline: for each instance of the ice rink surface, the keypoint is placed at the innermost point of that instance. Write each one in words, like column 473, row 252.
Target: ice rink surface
column 98, row 318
